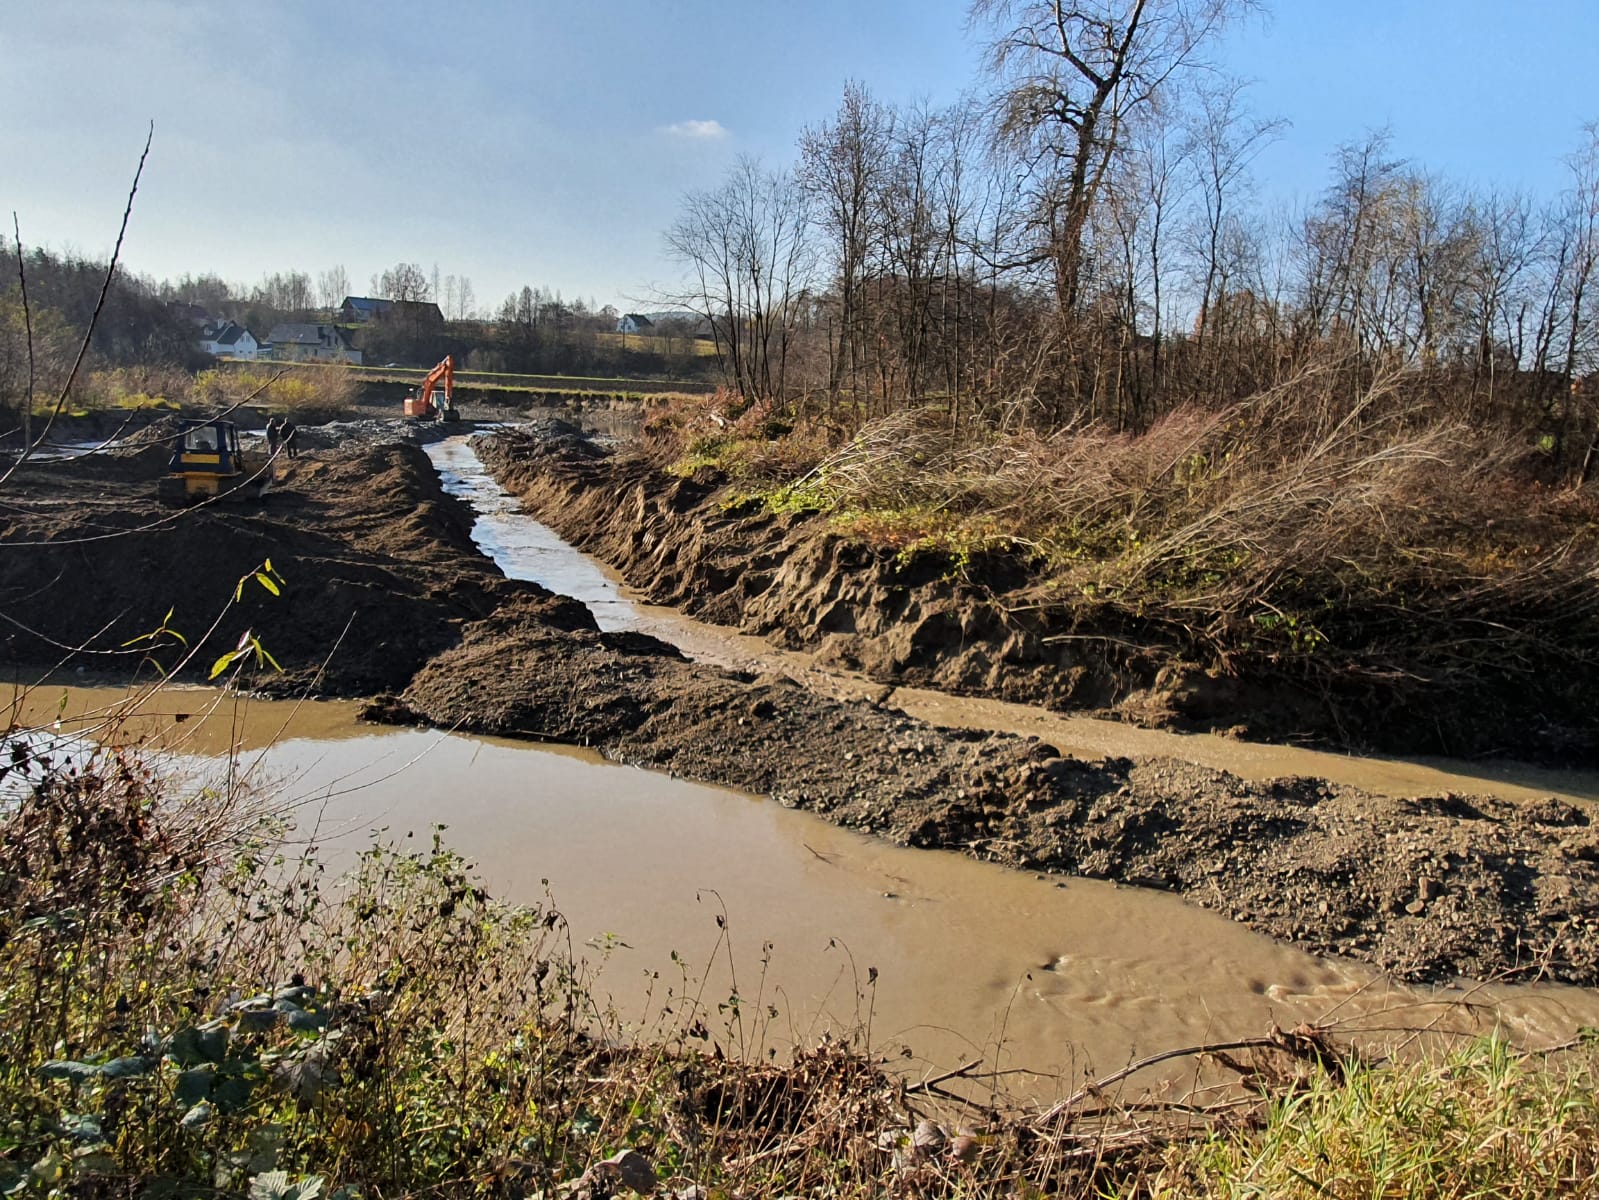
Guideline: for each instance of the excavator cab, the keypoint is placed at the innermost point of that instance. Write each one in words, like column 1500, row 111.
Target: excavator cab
column 207, row 462
column 436, row 398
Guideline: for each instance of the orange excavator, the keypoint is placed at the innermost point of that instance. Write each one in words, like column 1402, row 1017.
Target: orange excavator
column 425, row 405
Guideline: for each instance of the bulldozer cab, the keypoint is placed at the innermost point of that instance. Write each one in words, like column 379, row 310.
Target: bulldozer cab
column 211, row 446
column 206, row 462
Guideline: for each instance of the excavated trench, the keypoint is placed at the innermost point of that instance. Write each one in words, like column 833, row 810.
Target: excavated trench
column 990, row 626
column 386, row 590
column 1428, row 886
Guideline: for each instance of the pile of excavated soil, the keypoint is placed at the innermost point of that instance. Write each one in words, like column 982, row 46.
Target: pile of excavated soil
column 377, row 564
column 993, row 628
column 1426, row 889
column 385, row 593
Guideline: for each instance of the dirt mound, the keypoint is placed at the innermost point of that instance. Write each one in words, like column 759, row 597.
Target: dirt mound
column 986, row 626
column 1426, row 889
column 377, row 565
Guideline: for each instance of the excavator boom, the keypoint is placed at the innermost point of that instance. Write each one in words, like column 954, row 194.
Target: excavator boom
column 423, row 403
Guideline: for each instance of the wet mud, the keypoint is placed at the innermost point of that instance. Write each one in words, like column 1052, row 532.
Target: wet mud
column 386, row 593
column 991, row 627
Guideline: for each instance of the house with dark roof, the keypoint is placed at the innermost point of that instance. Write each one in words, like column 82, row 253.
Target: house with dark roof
column 228, row 339
column 294, row 342
column 635, row 323
column 359, row 310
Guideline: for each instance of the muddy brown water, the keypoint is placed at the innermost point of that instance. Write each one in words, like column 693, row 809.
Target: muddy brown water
column 971, row 959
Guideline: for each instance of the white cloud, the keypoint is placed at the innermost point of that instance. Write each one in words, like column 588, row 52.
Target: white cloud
column 700, row 131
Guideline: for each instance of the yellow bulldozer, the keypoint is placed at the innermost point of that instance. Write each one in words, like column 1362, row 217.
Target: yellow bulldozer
column 207, row 464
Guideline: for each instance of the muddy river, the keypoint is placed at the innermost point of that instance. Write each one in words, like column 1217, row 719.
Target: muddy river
column 970, row 959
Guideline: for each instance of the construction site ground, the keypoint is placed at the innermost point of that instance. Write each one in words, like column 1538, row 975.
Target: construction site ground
column 384, row 595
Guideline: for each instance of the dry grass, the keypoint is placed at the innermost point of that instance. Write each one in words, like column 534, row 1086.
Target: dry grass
column 311, row 395
column 1362, row 538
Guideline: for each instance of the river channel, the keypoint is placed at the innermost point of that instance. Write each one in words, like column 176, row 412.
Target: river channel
column 970, row 959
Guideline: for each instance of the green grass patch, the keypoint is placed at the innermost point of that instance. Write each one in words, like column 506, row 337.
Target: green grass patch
column 1483, row 1122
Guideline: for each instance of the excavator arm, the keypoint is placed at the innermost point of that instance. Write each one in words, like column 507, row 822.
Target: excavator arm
column 443, row 408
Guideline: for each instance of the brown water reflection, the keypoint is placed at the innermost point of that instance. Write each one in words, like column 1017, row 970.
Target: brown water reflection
column 971, row 958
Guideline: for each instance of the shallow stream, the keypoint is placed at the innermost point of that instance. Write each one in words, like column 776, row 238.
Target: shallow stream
column 970, row 959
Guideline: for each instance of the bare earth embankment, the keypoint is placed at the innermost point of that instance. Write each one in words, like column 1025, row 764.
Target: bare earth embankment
column 1373, row 608
column 384, row 593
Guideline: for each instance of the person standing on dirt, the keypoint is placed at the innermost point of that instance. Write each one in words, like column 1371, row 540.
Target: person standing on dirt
column 274, row 435
column 290, row 433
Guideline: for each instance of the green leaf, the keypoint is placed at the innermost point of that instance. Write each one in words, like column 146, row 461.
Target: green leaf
column 305, row 1022
column 77, row 1072
column 81, row 1127
column 223, row 663
column 195, row 1085
column 232, row 1094
column 258, row 1020
column 265, row 581
column 275, row 1185
column 193, row 1047
column 94, row 1160
column 127, row 1068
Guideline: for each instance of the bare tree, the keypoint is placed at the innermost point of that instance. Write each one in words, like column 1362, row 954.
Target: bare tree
column 286, row 291
column 750, row 264
column 402, row 282
column 1223, row 140
column 840, row 164
column 332, row 286
column 1074, row 74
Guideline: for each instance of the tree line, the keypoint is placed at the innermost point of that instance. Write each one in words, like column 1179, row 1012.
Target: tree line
column 1081, row 241
column 147, row 322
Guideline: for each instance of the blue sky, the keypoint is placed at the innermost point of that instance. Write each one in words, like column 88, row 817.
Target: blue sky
column 548, row 141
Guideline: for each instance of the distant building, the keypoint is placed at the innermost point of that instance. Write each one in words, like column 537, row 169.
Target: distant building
column 635, row 323
column 363, row 310
column 359, row 310
column 312, row 343
column 229, row 339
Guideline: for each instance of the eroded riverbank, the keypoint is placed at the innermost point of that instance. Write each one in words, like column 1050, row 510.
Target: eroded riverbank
column 991, row 621
column 382, row 576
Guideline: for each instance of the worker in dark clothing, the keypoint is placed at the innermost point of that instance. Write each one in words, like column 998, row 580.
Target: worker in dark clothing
column 274, row 435
column 290, row 432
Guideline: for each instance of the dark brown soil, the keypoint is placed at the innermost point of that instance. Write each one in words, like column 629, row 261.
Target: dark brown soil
column 383, row 582
column 991, row 627
column 378, row 566
column 1426, row 889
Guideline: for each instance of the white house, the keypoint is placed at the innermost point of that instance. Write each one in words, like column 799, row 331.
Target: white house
column 635, row 323
column 229, row 340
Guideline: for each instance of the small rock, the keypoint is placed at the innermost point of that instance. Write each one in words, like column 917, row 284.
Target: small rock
column 1416, row 907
